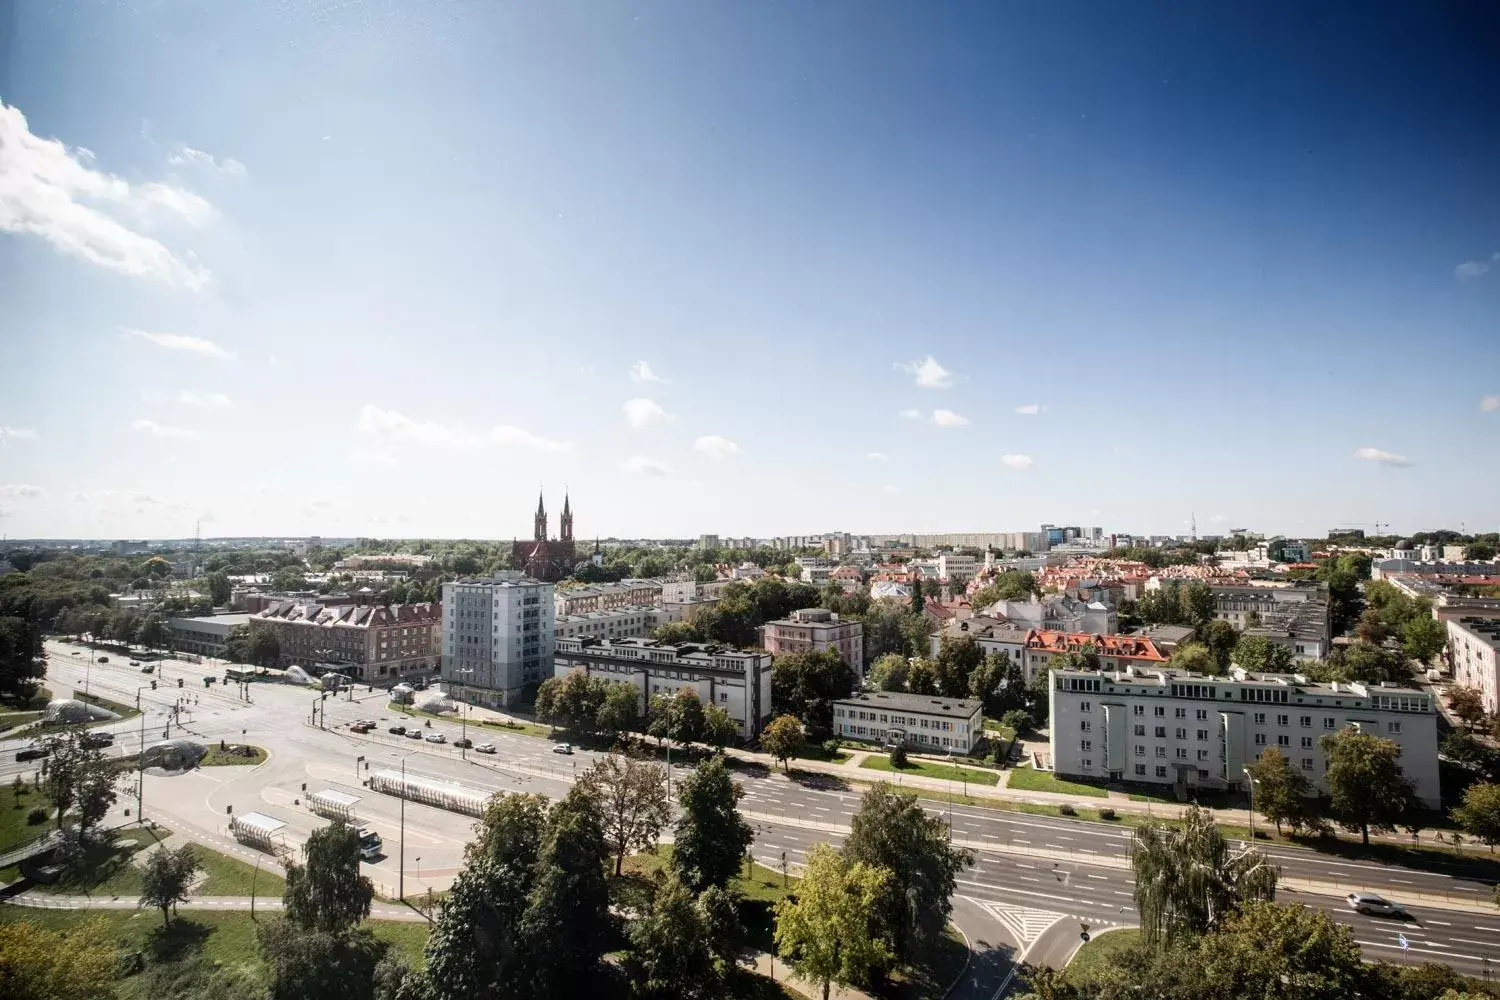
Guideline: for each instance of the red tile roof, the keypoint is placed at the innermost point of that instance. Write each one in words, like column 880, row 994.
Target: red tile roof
column 1126, row 647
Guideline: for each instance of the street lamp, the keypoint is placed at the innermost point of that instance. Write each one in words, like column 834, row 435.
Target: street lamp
column 463, row 716
column 1250, row 784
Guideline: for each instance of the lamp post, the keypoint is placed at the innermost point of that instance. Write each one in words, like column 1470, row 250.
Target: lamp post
column 463, row 716
column 1250, row 784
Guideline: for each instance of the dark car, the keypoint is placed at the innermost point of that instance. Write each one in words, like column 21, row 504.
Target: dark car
column 96, row 740
column 32, row 753
column 103, row 659
column 463, row 743
column 398, row 730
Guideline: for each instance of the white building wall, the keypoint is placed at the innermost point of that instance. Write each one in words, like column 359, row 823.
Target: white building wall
column 1475, row 664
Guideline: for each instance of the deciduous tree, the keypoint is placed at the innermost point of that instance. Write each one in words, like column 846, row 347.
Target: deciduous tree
column 921, row 676
column 327, row 892
column 782, row 738
column 671, row 952
column 165, row 877
column 1282, row 792
column 1194, row 657
column 956, row 660
column 711, row 836
column 1479, row 815
column 1424, row 638
column 1366, row 787
column 807, row 684
column 619, row 711
column 22, row 657
column 824, row 931
column 632, row 795
column 510, row 831
column 73, row 964
column 1468, row 704
column 474, row 949
column 889, row 673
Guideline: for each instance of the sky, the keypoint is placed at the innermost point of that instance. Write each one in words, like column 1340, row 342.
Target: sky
column 369, row 267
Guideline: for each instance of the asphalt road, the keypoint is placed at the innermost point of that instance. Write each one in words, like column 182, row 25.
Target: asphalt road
column 1005, row 902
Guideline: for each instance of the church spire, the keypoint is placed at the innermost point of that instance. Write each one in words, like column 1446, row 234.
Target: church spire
column 540, row 532
column 567, row 519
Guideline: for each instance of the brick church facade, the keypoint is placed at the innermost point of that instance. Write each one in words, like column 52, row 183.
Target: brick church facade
column 543, row 558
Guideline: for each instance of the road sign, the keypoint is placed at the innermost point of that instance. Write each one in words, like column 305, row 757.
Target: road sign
column 1405, row 944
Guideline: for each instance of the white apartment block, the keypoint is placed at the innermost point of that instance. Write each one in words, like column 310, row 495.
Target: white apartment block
column 738, row 682
column 497, row 638
column 1474, row 651
column 924, row 721
column 605, row 596
column 1172, row 728
column 616, row 623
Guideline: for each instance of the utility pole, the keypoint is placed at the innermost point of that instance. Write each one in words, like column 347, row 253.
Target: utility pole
column 140, row 777
column 401, row 887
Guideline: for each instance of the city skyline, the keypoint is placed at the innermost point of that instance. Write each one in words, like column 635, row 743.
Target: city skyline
column 360, row 271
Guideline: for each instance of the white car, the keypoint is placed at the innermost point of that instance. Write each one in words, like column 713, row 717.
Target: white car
column 1374, row 905
column 485, row 748
column 437, row 738
column 562, row 748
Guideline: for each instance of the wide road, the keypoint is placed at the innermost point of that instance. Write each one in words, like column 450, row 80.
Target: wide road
column 1005, row 903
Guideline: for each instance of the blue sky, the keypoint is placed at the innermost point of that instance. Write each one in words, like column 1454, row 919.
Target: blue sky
column 382, row 267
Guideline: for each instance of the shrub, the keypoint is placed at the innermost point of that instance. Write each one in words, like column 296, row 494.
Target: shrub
column 831, row 747
column 1067, row 810
column 898, row 755
column 1018, row 719
column 1106, row 813
column 35, row 815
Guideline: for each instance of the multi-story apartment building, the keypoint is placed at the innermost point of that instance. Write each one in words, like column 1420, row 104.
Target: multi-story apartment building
column 373, row 643
column 810, row 629
column 497, row 637
column 1474, row 651
column 678, row 591
column 1115, row 652
column 738, row 682
column 924, row 721
column 605, row 597
column 204, row 635
column 1168, row 727
column 1059, row 614
column 993, row 635
column 616, row 623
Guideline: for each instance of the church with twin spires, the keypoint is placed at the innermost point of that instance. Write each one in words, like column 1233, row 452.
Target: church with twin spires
column 543, row 558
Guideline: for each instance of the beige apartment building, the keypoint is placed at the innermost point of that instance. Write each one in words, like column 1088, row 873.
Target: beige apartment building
column 380, row 642
column 813, row 629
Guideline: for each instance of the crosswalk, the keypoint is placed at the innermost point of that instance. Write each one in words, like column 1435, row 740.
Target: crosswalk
column 1025, row 923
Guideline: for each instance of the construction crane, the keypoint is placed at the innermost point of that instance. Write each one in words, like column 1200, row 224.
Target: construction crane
column 1377, row 525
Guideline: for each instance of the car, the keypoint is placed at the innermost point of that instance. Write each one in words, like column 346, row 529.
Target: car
column 103, row 659
column 149, row 668
column 77, row 653
column 361, row 727
column 562, row 748
column 135, row 663
column 463, row 743
column 210, row 680
column 437, row 738
column 398, row 730
column 32, row 752
column 485, row 748
column 414, row 734
column 1374, row 905
column 96, row 740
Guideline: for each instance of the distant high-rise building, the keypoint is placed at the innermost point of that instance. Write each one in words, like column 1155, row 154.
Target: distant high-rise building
column 498, row 635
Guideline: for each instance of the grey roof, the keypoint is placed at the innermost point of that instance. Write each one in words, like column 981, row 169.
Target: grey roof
column 1486, row 630
column 953, row 708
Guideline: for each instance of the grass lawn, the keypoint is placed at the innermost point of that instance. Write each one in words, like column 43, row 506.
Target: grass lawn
column 223, row 758
column 14, row 829
column 929, row 769
column 13, row 720
column 110, row 870
column 226, row 938
column 1004, row 732
column 1029, row 779
column 815, row 751
column 1093, row 956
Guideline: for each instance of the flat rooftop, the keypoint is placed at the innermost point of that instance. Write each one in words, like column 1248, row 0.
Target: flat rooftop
column 924, row 704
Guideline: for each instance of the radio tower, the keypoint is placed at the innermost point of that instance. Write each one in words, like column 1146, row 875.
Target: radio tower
column 1193, row 518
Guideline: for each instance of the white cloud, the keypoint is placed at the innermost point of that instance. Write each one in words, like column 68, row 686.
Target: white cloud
column 644, row 412
column 1030, row 409
column 947, row 418
column 78, row 496
column 373, row 456
column 182, row 342
column 187, row 155
column 641, row 372
column 8, row 509
column 209, row 400
column 1474, row 268
column 152, row 427
column 929, row 374
column 1018, row 461
column 1383, row 457
column 21, row 491
column 397, row 428
column 640, row 465
column 716, row 446
column 878, row 456
column 16, row 434
column 890, row 489
column 910, row 414
column 1489, row 404
column 50, row 191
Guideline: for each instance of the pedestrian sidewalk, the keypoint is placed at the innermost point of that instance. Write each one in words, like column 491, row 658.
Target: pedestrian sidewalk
column 774, row 968
column 49, row 901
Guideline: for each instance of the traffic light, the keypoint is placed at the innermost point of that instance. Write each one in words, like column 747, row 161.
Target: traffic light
column 153, row 685
column 179, row 682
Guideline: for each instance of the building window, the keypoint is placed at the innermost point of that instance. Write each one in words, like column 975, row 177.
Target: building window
column 1393, row 727
column 1140, row 751
column 1085, row 745
column 1161, row 711
column 1203, row 755
column 1140, row 769
column 1086, row 764
column 1161, row 732
column 1307, row 742
column 1282, row 720
column 1260, row 718
column 1161, row 772
column 1201, row 714
column 1084, row 706
column 1182, row 753
column 1180, row 713
column 1202, row 734
column 1307, row 763
column 1084, row 725
column 1328, row 722
column 1181, row 733
column 1282, row 740
column 1140, row 730
column 1305, row 721
column 1139, row 710
column 1260, row 739
column 1161, row 753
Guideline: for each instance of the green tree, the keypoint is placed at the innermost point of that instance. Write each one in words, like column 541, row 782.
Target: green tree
column 327, row 892
column 1196, row 604
column 566, row 921
column 675, row 633
column 1260, row 655
column 823, row 931
column 1220, row 637
column 672, row 955
column 918, row 599
column 474, row 949
column 78, row 775
column 807, row 684
column 510, row 831
column 719, row 727
column 956, row 660
column 921, row 676
column 1366, row 787
column 892, row 831
column 1468, row 704
column 306, row 964
column 619, row 711
column 219, row 588
column 1479, row 551
column 883, row 632
column 289, row 578
column 264, row 649
column 1282, row 792
column 1196, row 658
column 1010, row 585
column 632, row 797
column 1187, row 881
column 574, row 702
column 711, row 836
column 687, row 716
column 1018, row 719
column 1424, row 639
column 1370, row 664
column 888, row 673
column 23, row 660
column 165, row 877
column 782, row 738
column 1479, row 815
column 77, row 963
